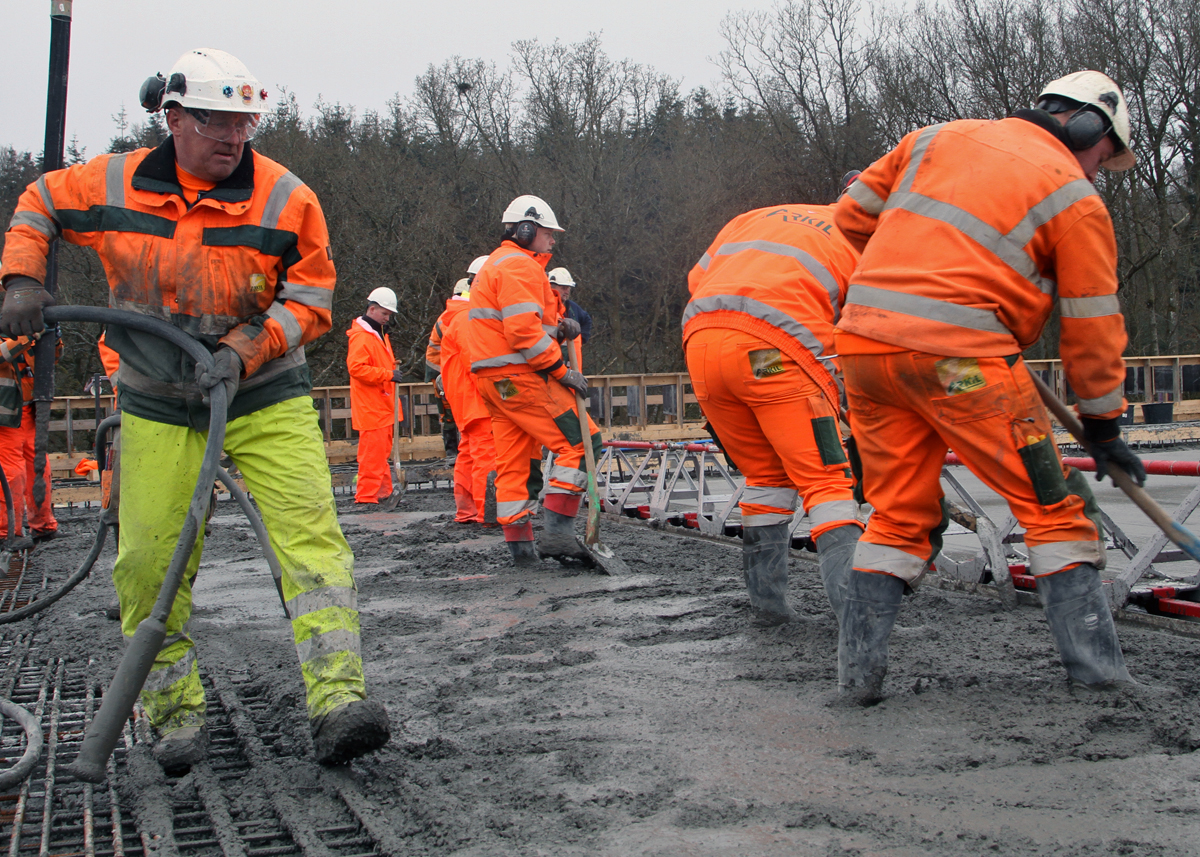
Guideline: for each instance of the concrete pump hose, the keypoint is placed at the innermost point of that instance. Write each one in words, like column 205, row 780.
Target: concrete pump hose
column 33, row 744
column 8, row 506
column 105, row 729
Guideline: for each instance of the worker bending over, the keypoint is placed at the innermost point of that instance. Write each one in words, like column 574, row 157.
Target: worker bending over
column 373, row 379
column 515, row 330
column 231, row 248
column 758, row 335
column 971, row 233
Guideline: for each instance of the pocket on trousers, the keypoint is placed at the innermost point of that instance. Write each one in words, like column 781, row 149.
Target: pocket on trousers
column 1045, row 471
column 696, row 358
column 825, row 432
column 968, row 407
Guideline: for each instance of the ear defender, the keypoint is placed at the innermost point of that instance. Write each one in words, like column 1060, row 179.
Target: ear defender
column 1085, row 129
column 524, row 234
column 150, row 95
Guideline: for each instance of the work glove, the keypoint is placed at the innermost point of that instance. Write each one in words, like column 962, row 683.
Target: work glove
column 1103, row 438
column 575, row 381
column 397, row 376
column 24, row 299
column 568, row 329
column 228, row 371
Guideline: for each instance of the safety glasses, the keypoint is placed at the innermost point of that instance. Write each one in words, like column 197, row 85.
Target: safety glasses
column 225, row 127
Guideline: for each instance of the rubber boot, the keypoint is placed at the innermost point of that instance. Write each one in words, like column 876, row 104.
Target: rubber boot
column 519, row 538
column 489, row 500
column 558, row 537
column 349, row 731
column 765, row 569
column 179, row 749
column 835, row 554
column 1082, row 626
column 868, row 614
column 450, row 440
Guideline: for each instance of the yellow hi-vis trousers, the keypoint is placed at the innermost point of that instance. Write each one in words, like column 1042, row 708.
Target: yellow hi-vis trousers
column 280, row 454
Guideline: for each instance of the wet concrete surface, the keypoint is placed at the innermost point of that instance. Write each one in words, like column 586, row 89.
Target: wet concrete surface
column 554, row 711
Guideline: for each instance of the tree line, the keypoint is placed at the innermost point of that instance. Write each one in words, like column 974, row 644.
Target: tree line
column 643, row 175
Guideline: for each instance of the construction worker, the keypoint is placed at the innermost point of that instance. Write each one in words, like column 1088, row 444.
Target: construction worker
column 433, row 356
column 515, row 331
column 476, row 448
column 564, row 284
column 971, row 233
column 16, row 447
column 232, row 248
column 373, row 379
column 758, row 335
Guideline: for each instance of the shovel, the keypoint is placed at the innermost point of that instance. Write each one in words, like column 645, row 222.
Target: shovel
column 605, row 559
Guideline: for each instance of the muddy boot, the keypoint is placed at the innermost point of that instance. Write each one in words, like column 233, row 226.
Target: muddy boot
column 558, row 537
column 18, row 544
column 176, row 751
column 349, row 731
column 868, row 614
column 765, row 569
column 519, row 538
column 489, row 499
column 450, row 440
column 1082, row 626
column 835, row 553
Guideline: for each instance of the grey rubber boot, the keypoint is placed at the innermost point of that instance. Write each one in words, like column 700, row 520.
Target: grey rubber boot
column 558, row 537
column 1082, row 626
column 349, row 731
column 765, row 569
column 489, row 499
column 177, row 750
column 835, row 553
column 868, row 614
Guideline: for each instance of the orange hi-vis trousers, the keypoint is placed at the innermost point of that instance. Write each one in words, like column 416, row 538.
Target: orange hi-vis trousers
column 529, row 412
column 777, row 427
column 374, row 475
column 476, row 459
column 907, row 408
column 16, row 457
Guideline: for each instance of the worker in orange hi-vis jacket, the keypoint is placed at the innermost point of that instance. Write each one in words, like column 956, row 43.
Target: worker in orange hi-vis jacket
column 476, row 448
column 16, row 447
column 972, row 232
column 758, row 335
column 373, row 375
column 455, row 304
column 515, row 331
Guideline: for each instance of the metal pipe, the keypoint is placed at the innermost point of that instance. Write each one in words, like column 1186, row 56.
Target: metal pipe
column 1157, row 468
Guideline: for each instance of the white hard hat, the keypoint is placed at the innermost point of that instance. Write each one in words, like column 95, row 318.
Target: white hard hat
column 533, row 209
column 476, row 266
column 462, row 287
column 1100, row 91
column 206, row 79
column 385, row 297
column 561, row 277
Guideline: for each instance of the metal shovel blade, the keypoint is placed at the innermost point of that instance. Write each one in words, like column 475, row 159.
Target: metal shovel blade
column 607, row 561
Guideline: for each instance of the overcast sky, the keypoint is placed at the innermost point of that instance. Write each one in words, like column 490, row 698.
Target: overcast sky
column 354, row 52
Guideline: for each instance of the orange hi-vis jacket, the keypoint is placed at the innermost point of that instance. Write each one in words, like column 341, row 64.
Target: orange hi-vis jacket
column 248, row 265
column 780, row 274
column 514, row 315
column 971, row 232
column 16, row 377
column 371, row 363
column 465, row 402
column 433, row 351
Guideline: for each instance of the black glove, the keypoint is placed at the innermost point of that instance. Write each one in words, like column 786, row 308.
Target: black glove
column 575, row 381
column 1103, row 439
column 397, row 376
column 24, row 299
column 228, row 371
column 568, row 328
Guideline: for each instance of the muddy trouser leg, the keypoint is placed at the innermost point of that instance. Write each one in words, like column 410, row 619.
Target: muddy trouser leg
column 159, row 471
column 478, row 433
column 374, row 474
column 464, row 471
column 12, row 460
column 280, row 453
column 1081, row 623
column 41, row 518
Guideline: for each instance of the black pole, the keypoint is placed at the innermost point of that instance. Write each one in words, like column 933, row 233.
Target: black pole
column 52, row 159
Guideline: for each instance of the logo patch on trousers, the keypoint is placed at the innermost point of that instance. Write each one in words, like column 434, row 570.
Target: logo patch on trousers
column 766, row 361
column 960, row 375
column 258, row 282
column 506, row 388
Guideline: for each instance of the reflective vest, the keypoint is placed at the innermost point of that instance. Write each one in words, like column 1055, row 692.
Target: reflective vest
column 248, row 266
column 370, row 362
column 778, row 273
column 514, row 315
column 433, row 351
column 971, row 232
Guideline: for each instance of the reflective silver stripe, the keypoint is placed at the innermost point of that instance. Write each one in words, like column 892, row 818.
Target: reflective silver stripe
column 569, row 475
column 313, row 296
column 288, row 321
column 47, row 200
column 484, row 312
column 278, row 200
column 132, row 379
column 834, row 510
column 502, row 360
column 537, row 347
column 9, row 412
column 929, row 308
column 1104, row 404
column 819, row 271
column 704, row 262
column 506, row 257
column 510, row 508
column 329, row 643
column 433, row 346
column 1055, row 556
column 768, row 519
column 114, row 181
column 8, row 382
column 550, row 329
column 40, row 222
column 924, row 138
column 779, row 498
column 278, row 366
column 160, row 680
column 889, row 560
column 1053, row 205
column 870, row 201
column 518, row 309
column 764, row 312
column 1095, row 307
column 319, row 599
